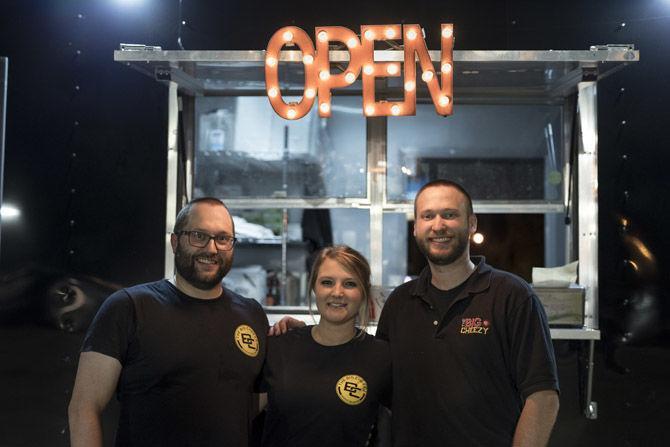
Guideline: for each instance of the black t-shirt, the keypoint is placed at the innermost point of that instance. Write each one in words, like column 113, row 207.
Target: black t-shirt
column 462, row 379
column 189, row 365
column 441, row 300
column 323, row 395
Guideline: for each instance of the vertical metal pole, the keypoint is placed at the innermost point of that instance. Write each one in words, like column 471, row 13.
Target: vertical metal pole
column 172, row 175
column 284, row 223
column 4, row 64
column 590, row 407
column 587, row 181
column 587, row 172
column 284, row 257
column 376, row 151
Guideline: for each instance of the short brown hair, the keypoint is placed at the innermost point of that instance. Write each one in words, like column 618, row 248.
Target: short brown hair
column 446, row 183
column 184, row 214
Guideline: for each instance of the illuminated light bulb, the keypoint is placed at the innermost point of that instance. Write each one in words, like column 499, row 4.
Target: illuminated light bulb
column 273, row 92
column 271, row 61
column 389, row 33
column 324, row 107
column 392, row 69
column 427, row 76
column 368, row 69
column 291, row 114
column 324, row 75
column 287, row 36
column 409, row 86
column 310, row 93
column 369, row 34
column 395, row 109
column 478, row 238
column 447, row 32
column 446, row 67
column 350, row 77
column 323, row 36
column 369, row 110
column 307, row 59
column 351, row 43
column 411, row 34
column 443, row 101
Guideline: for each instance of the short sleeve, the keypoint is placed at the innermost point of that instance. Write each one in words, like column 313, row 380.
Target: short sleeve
column 533, row 357
column 112, row 328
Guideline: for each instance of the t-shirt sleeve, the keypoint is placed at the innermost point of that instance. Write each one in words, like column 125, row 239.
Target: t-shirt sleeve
column 534, row 364
column 112, row 327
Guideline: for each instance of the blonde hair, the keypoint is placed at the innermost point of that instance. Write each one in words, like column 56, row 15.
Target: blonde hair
column 353, row 262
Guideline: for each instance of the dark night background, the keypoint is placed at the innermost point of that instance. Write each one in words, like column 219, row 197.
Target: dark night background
column 85, row 163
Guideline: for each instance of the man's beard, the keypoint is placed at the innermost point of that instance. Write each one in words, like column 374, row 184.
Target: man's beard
column 461, row 240
column 185, row 264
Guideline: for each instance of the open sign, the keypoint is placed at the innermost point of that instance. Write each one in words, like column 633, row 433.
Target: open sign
column 320, row 81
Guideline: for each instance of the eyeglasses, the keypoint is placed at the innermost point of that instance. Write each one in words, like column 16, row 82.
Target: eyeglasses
column 200, row 239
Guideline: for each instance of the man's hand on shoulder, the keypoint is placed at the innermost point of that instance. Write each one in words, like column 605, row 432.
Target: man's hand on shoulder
column 284, row 325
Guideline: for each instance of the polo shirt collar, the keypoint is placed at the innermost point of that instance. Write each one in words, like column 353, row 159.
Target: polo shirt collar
column 478, row 282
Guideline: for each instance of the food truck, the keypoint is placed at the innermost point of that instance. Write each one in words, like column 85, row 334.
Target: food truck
column 521, row 135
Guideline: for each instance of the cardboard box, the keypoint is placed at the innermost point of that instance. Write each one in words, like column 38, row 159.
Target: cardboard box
column 564, row 305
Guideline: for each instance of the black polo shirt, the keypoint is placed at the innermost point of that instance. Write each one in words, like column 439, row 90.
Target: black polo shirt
column 462, row 379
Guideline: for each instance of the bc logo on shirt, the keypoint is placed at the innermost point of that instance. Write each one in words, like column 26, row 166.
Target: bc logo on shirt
column 246, row 340
column 351, row 389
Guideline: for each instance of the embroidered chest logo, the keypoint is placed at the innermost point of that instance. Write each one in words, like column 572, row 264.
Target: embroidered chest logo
column 475, row 326
column 246, row 340
column 351, row 389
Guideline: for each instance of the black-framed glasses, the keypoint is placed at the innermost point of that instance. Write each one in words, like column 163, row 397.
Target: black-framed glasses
column 200, row 239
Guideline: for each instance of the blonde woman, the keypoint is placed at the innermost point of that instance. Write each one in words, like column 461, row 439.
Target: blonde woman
column 325, row 382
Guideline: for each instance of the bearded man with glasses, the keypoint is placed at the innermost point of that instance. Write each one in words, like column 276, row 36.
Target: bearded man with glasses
column 182, row 354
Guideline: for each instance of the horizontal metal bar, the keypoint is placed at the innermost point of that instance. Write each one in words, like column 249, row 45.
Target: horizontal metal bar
column 511, row 207
column 271, row 203
column 214, row 56
column 575, row 334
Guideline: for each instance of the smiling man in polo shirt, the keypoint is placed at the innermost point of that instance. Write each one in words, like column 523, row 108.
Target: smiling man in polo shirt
column 473, row 362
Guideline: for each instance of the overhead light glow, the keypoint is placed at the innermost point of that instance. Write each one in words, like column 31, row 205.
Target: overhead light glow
column 291, row 114
column 389, row 33
column 272, row 93
column 395, row 109
column 310, row 93
column 478, row 238
column 271, row 61
column 350, row 77
column 307, row 59
column 351, row 43
column 446, row 67
column 444, row 101
column 323, row 36
column 10, row 212
column 288, row 36
column 411, row 34
column 369, row 34
column 409, row 86
column 324, row 107
column 369, row 110
column 368, row 69
column 427, row 76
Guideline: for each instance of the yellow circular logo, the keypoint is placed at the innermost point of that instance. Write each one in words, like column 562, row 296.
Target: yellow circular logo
column 246, row 340
column 351, row 389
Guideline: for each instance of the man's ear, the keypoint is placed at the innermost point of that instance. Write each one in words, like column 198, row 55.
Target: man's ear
column 472, row 224
column 174, row 242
